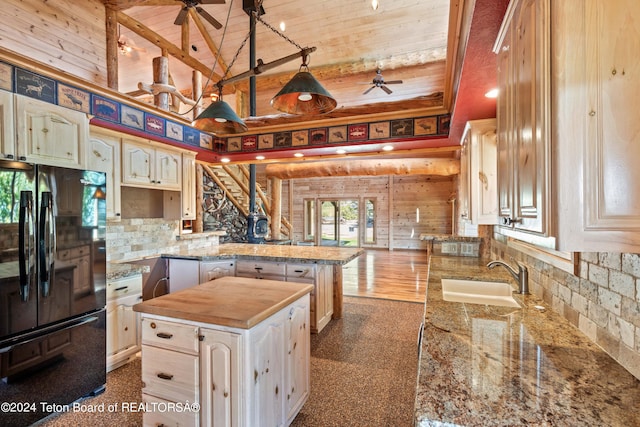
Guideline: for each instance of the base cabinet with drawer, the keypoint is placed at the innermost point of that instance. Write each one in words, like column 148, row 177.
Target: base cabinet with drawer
column 123, row 324
column 238, row 377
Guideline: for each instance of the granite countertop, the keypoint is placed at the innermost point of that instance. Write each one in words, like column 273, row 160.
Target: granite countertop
column 228, row 301
column 277, row 253
column 499, row 366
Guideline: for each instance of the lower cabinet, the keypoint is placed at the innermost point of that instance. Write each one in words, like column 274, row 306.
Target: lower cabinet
column 239, row 377
column 123, row 324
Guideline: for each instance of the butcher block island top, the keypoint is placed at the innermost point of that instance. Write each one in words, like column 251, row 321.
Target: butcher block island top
column 278, row 253
column 236, row 302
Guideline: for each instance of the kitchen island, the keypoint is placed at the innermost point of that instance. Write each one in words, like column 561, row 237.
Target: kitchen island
column 503, row 366
column 322, row 255
column 233, row 351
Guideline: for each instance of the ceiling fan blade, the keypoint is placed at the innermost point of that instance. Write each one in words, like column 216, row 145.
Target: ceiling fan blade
column 182, row 15
column 211, row 1
column 209, row 18
column 386, row 89
column 368, row 90
column 393, row 82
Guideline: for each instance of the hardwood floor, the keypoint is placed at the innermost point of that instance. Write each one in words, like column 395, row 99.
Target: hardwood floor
column 399, row 275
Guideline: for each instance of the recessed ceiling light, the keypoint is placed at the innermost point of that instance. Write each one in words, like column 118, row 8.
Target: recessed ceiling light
column 259, row 157
column 341, row 151
column 374, row 4
column 387, row 148
column 298, row 155
column 493, row 93
column 283, row 26
column 225, row 160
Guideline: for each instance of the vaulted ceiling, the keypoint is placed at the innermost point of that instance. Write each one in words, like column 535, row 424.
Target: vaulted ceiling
column 440, row 50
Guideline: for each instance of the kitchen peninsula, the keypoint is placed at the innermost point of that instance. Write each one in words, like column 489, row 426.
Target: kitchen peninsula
column 294, row 262
column 497, row 366
column 237, row 348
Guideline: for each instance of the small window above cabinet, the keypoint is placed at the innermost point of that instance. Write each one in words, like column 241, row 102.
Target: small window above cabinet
column 478, row 183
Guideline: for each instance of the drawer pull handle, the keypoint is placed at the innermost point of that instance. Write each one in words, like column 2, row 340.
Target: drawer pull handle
column 164, row 335
column 122, row 288
column 164, row 376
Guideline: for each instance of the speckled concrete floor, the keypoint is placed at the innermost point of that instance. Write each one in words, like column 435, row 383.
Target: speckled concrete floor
column 363, row 373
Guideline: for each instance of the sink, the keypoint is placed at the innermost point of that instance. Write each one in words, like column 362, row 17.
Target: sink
column 478, row 292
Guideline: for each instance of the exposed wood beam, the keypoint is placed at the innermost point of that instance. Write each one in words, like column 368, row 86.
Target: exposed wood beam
column 164, row 44
column 410, row 166
column 111, row 26
column 207, row 38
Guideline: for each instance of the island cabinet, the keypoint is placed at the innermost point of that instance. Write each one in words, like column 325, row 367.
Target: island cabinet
column 568, row 137
column 244, row 363
column 319, row 275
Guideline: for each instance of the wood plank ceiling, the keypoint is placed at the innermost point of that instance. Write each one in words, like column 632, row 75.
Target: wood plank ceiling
column 421, row 42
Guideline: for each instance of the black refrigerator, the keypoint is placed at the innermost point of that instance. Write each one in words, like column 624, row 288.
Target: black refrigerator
column 52, row 289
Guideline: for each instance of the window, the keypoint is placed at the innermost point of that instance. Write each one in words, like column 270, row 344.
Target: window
column 309, row 228
column 370, row 221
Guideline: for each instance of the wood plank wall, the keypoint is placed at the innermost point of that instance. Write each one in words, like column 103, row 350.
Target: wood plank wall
column 66, row 34
column 398, row 199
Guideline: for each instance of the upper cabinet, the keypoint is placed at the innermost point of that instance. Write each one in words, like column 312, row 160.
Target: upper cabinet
column 103, row 154
column 568, row 135
column 7, row 132
column 596, row 131
column 478, row 173
column 523, row 123
column 148, row 165
column 49, row 134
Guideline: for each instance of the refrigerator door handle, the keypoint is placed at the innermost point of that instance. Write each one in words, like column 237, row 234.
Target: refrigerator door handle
column 47, row 243
column 25, row 243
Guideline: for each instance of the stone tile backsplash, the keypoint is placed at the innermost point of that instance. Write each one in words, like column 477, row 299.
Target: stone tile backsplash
column 602, row 299
column 137, row 238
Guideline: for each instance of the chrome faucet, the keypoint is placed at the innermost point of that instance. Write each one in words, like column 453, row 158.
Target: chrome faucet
column 521, row 276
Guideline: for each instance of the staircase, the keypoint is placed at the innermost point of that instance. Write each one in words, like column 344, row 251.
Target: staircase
column 234, row 181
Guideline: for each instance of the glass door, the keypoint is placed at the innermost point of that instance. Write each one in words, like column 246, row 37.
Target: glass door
column 339, row 225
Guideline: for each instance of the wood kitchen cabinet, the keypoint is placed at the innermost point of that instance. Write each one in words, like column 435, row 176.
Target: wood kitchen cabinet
column 7, row 129
column 478, row 173
column 103, row 154
column 321, row 277
column 524, row 145
column 212, row 270
column 596, row 132
column 147, row 165
column 123, row 324
column 188, row 186
column 568, row 139
column 241, row 376
column 48, row 134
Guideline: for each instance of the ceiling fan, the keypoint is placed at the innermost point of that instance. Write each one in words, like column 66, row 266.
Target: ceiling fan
column 188, row 4
column 127, row 46
column 378, row 81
